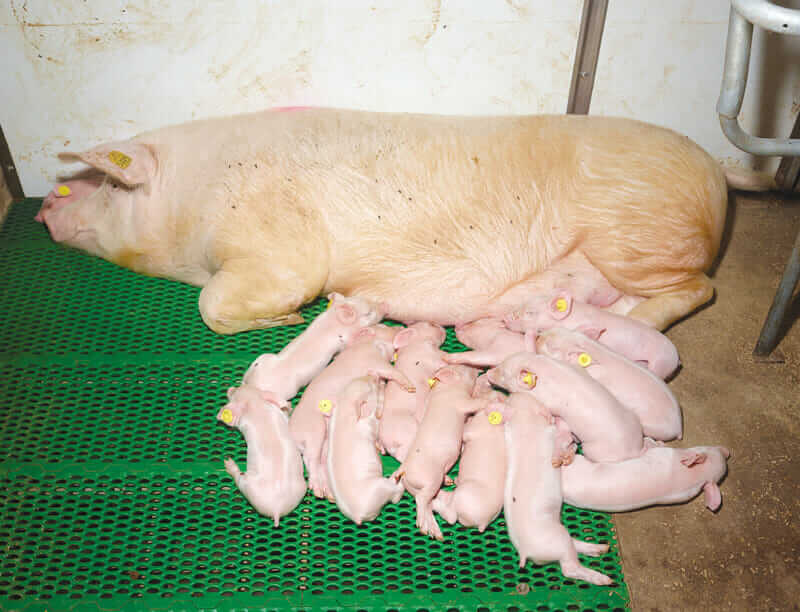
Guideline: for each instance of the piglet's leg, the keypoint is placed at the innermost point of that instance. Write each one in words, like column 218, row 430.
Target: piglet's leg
column 442, row 504
column 474, row 358
column 573, row 569
column 712, row 496
column 425, row 520
column 564, row 446
column 390, row 373
column 588, row 548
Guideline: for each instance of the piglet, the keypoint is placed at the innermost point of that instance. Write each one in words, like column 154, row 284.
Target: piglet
column 492, row 342
column 355, row 471
column 629, row 337
column 273, row 482
column 478, row 497
column 438, row 441
column 368, row 353
column 285, row 373
column 533, row 497
column 662, row 475
column 418, row 356
column 636, row 387
column 607, row 430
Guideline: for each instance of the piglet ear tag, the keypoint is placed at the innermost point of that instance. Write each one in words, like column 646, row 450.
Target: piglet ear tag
column 528, row 379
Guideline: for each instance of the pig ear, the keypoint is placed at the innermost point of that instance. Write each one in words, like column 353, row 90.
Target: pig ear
column 692, row 459
column 561, row 305
column 231, row 391
column 404, row 337
column 130, row 163
column 346, row 314
column 593, row 333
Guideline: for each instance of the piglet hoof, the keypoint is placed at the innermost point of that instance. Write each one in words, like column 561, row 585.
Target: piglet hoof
column 448, row 482
column 651, row 443
column 398, row 474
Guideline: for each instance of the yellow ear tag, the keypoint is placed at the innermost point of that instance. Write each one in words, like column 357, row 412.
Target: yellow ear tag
column 584, row 359
column 431, row 382
column 325, row 406
column 495, row 418
column 118, row 158
column 226, row 416
column 529, row 379
column 329, row 304
column 561, row 305
column 394, row 357
column 63, row 190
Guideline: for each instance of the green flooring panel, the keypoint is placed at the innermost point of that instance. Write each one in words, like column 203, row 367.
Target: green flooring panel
column 113, row 491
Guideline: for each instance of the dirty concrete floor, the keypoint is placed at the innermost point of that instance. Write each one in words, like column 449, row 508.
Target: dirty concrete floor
column 744, row 557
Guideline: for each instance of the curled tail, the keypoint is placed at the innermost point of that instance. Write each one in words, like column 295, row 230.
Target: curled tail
column 749, row 180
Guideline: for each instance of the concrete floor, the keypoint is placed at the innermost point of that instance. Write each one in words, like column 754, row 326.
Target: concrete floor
column 746, row 556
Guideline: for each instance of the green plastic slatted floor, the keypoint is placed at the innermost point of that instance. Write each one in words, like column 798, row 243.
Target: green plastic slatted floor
column 113, row 491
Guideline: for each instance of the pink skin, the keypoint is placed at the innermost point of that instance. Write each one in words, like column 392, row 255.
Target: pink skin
column 662, row 475
column 637, row 388
column 492, row 340
column 478, row 497
column 533, row 495
column 274, row 482
column 368, row 353
column 607, row 430
column 418, row 356
column 628, row 337
column 355, row 471
column 438, row 441
column 285, row 373
column 77, row 190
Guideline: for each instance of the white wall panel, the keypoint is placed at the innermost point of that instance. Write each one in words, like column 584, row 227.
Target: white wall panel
column 75, row 73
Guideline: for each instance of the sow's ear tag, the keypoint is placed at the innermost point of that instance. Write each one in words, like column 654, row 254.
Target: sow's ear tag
column 118, row 158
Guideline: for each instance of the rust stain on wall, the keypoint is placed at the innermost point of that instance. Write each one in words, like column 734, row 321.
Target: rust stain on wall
column 436, row 15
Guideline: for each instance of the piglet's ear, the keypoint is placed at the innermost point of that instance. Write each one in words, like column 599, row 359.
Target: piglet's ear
column 231, row 391
column 561, row 305
column 131, row 163
column 346, row 314
column 593, row 333
column 404, row 337
column 693, row 458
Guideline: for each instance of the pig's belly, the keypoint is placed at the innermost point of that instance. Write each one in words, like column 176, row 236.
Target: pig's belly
column 464, row 293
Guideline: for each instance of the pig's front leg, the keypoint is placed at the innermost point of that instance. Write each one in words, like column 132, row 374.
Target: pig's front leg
column 244, row 295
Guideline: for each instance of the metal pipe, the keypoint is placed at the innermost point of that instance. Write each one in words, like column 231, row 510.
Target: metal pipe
column 734, row 76
column 769, row 16
column 780, row 304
